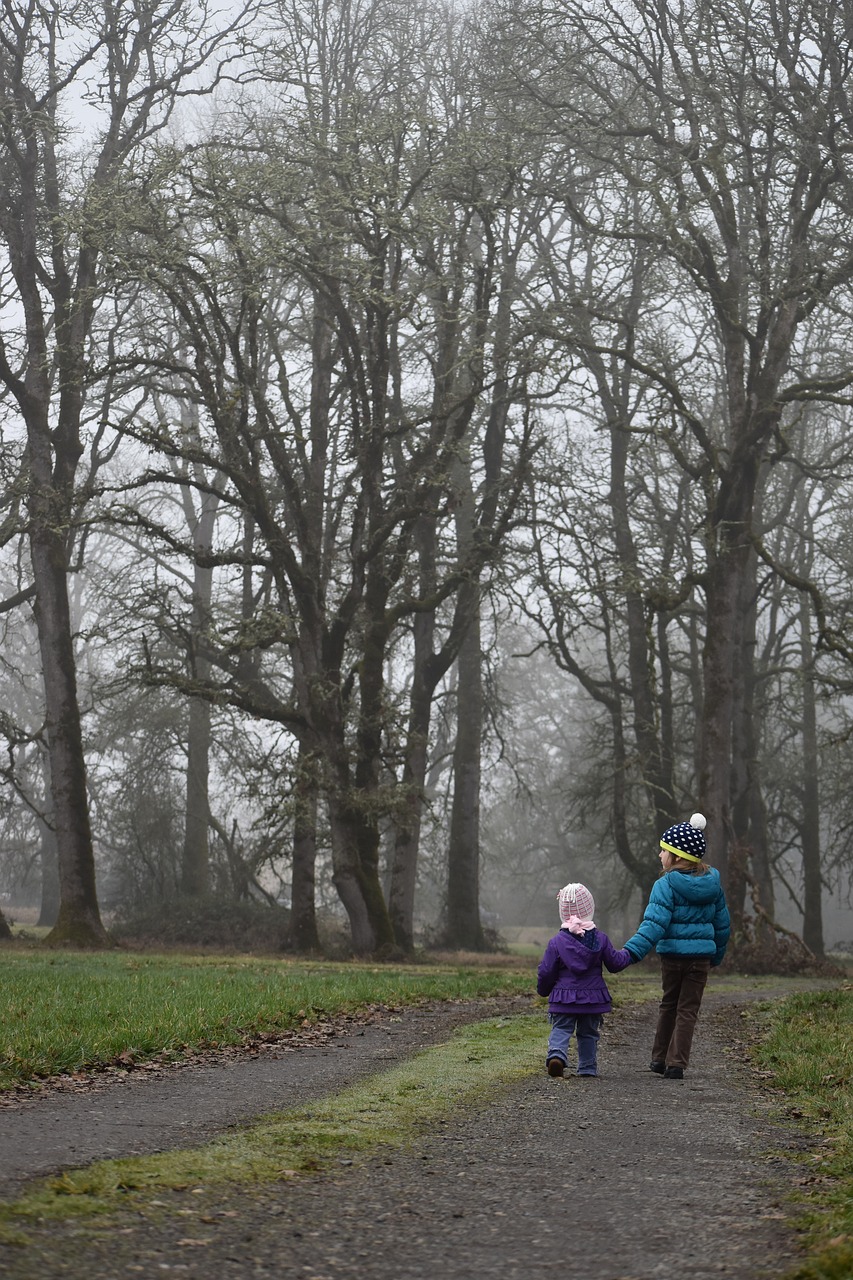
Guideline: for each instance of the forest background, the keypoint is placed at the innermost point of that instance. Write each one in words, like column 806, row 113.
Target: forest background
column 426, row 461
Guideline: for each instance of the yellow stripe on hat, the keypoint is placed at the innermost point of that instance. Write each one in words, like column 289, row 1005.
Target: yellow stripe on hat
column 679, row 853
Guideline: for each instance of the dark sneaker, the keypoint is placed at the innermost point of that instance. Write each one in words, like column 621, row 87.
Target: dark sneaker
column 556, row 1066
column 658, row 1067
column 674, row 1073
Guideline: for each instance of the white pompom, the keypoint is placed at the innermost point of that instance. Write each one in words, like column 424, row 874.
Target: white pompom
column 698, row 821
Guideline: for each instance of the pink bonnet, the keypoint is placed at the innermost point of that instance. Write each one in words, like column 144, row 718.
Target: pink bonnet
column 576, row 900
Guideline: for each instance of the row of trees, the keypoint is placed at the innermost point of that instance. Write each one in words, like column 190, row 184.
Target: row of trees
column 425, row 330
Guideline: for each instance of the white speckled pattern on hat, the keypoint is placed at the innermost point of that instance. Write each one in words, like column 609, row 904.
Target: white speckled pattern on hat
column 686, row 839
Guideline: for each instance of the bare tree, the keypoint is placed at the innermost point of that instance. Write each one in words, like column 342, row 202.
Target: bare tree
column 727, row 124
column 129, row 64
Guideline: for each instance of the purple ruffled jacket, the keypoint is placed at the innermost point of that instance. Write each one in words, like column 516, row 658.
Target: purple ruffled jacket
column 570, row 972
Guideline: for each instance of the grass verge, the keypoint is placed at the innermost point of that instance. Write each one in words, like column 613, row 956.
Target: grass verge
column 69, row 1012
column 808, row 1049
column 383, row 1111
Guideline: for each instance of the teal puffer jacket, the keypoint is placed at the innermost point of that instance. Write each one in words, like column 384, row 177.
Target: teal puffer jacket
column 686, row 916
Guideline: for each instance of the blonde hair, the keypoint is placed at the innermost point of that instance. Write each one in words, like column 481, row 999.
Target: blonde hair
column 689, row 866
column 692, row 868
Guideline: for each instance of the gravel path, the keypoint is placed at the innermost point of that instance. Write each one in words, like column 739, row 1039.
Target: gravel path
column 624, row 1177
column 99, row 1117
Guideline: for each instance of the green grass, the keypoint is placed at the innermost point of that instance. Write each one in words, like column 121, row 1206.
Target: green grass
column 808, row 1048
column 31, row 932
column 67, row 1012
column 527, row 950
column 63, row 1012
column 386, row 1110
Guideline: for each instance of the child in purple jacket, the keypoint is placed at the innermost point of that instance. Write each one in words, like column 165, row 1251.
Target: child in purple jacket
column 570, row 975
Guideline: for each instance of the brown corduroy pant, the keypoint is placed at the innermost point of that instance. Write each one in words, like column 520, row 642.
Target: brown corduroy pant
column 683, row 979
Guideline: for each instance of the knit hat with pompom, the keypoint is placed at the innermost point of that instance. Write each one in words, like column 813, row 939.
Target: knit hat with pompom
column 686, row 839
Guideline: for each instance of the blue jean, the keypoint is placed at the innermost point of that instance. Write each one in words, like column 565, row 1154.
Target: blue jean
column 586, row 1028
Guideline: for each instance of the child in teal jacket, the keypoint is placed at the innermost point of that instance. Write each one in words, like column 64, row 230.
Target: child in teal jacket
column 687, row 921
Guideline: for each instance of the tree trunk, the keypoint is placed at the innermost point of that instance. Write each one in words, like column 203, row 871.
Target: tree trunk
column 358, row 886
column 428, row 668
column 742, row 766
column 303, row 912
column 195, row 860
column 810, row 828
column 715, row 777
column 647, row 729
column 53, row 452
column 615, row 389
column 667, row 711
column 464, row 927
column 749, row 814
column 49, row 909
column 354, row 838
column 644, row 871
column 407, row 834
column 351, row 800
column 79, row 920
column 364, row 803
column 728, row 569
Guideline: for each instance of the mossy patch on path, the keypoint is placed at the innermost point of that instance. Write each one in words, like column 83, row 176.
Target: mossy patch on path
column 385, row 1110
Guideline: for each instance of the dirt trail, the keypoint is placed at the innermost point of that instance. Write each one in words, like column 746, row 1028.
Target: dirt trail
column 101, row 1118
column 624, row 1177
